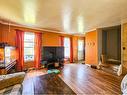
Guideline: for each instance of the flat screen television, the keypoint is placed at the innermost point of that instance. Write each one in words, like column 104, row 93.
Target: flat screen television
column 52, row 53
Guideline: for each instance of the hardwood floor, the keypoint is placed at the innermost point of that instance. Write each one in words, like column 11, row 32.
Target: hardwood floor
column 84, row 80
column 46, row 84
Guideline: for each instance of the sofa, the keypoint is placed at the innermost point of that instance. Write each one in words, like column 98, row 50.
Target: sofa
column 11, row 83
column 124, row 85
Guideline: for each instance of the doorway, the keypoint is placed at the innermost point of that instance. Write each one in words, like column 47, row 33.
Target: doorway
column 81, row 50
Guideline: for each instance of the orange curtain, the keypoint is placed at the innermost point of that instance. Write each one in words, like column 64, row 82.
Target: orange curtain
column 71, row 50
column 37, row 51
column 20, row 49
column 62, row 40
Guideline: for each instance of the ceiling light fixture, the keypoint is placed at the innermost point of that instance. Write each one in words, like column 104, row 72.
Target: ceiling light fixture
column 29, row 11
column 80, row 22
column 66, row 14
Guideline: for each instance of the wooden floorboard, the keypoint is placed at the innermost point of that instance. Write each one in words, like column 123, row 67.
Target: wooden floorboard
column 84, row 80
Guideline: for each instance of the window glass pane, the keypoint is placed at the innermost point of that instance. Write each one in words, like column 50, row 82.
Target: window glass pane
column 29, row 37
column 67, row 42
column 80, row 45
column 26, row 44
column 67, row 47
column 28, row 57
column 67, row 53
column 29, row 51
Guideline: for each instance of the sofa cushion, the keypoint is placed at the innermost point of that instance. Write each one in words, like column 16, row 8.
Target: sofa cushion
column 11, row 79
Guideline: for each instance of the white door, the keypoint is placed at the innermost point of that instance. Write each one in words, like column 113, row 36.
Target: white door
column 80, row 49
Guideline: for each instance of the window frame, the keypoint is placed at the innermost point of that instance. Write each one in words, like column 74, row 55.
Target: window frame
column 27, row 47
column 67, row 47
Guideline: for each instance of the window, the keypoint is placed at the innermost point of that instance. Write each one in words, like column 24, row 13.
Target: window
column 7, row 55
column 29, row 46
column 67, row 47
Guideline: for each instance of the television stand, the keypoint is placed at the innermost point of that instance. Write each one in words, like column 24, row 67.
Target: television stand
column 53, row 65
column 50, row 66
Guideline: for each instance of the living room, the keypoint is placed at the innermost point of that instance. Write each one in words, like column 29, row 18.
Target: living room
column 63, row 51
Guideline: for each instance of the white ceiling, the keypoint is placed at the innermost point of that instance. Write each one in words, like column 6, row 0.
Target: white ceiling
column 68, row 16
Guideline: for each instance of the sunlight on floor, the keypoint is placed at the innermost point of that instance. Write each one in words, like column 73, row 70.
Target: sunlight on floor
column 34, row 73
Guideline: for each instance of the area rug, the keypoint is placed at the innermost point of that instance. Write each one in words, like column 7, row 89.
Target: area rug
column 53, row 71
column 46, row 84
